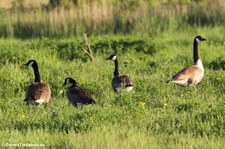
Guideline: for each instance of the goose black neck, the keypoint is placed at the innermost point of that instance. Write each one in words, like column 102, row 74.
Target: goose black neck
column 74, row 84
column 116, row 71
column 36, row 73
column 195, row 51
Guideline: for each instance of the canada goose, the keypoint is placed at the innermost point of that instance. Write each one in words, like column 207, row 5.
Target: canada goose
column 119, row 81
column 76, row 95
column 191, row 75
column 38, row 91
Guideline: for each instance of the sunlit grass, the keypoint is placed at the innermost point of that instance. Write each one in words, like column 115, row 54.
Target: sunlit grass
column 111, row 137
column 154, row 115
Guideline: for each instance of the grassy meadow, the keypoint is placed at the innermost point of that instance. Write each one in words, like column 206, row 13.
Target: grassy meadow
column 155, row 114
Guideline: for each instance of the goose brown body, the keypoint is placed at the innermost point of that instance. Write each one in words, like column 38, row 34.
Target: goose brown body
column 77, row 95
column 122, row 81
column 191, row 75
column 38, row 91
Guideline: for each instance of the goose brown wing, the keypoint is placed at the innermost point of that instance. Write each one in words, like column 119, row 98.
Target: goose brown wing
column 79, row 95
column 86, row 96
column 186, row 73
column 126, row 81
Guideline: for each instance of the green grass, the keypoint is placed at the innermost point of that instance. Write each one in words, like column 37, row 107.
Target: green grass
column 154, row 115
column 112, row 137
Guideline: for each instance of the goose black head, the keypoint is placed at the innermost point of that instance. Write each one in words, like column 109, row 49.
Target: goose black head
column 199, row 39
column 112, row 57
column 69, row 81
column 30, row 63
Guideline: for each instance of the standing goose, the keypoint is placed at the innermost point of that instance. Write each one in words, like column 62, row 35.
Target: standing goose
column 191, row 75
column 76, row 95
column 119, row 81
column 38, row 91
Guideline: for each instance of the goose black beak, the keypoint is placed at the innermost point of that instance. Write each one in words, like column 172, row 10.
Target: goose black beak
column 26, row 64
column 203, row 39
column 108, row 58
column 23, row 66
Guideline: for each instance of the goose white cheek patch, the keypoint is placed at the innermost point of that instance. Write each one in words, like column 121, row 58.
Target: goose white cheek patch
column 197, row 40
column 114, row 58
column 67, row 81
column 31, row 63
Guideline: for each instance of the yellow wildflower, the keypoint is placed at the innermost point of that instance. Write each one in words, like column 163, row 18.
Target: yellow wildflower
column 142, row 104
column 164, row 105
column 22, row 116
column 61, row 91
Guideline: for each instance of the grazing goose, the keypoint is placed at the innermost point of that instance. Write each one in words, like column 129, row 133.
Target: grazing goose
column 38, row 91
column 76, row 95
column 191, row 75
column 119, row 81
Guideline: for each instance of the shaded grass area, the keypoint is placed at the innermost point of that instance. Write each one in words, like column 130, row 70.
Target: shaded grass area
column 154, row 115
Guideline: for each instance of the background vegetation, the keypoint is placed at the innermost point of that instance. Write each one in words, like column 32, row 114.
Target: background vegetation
column 66, row 18
column 153, row 40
